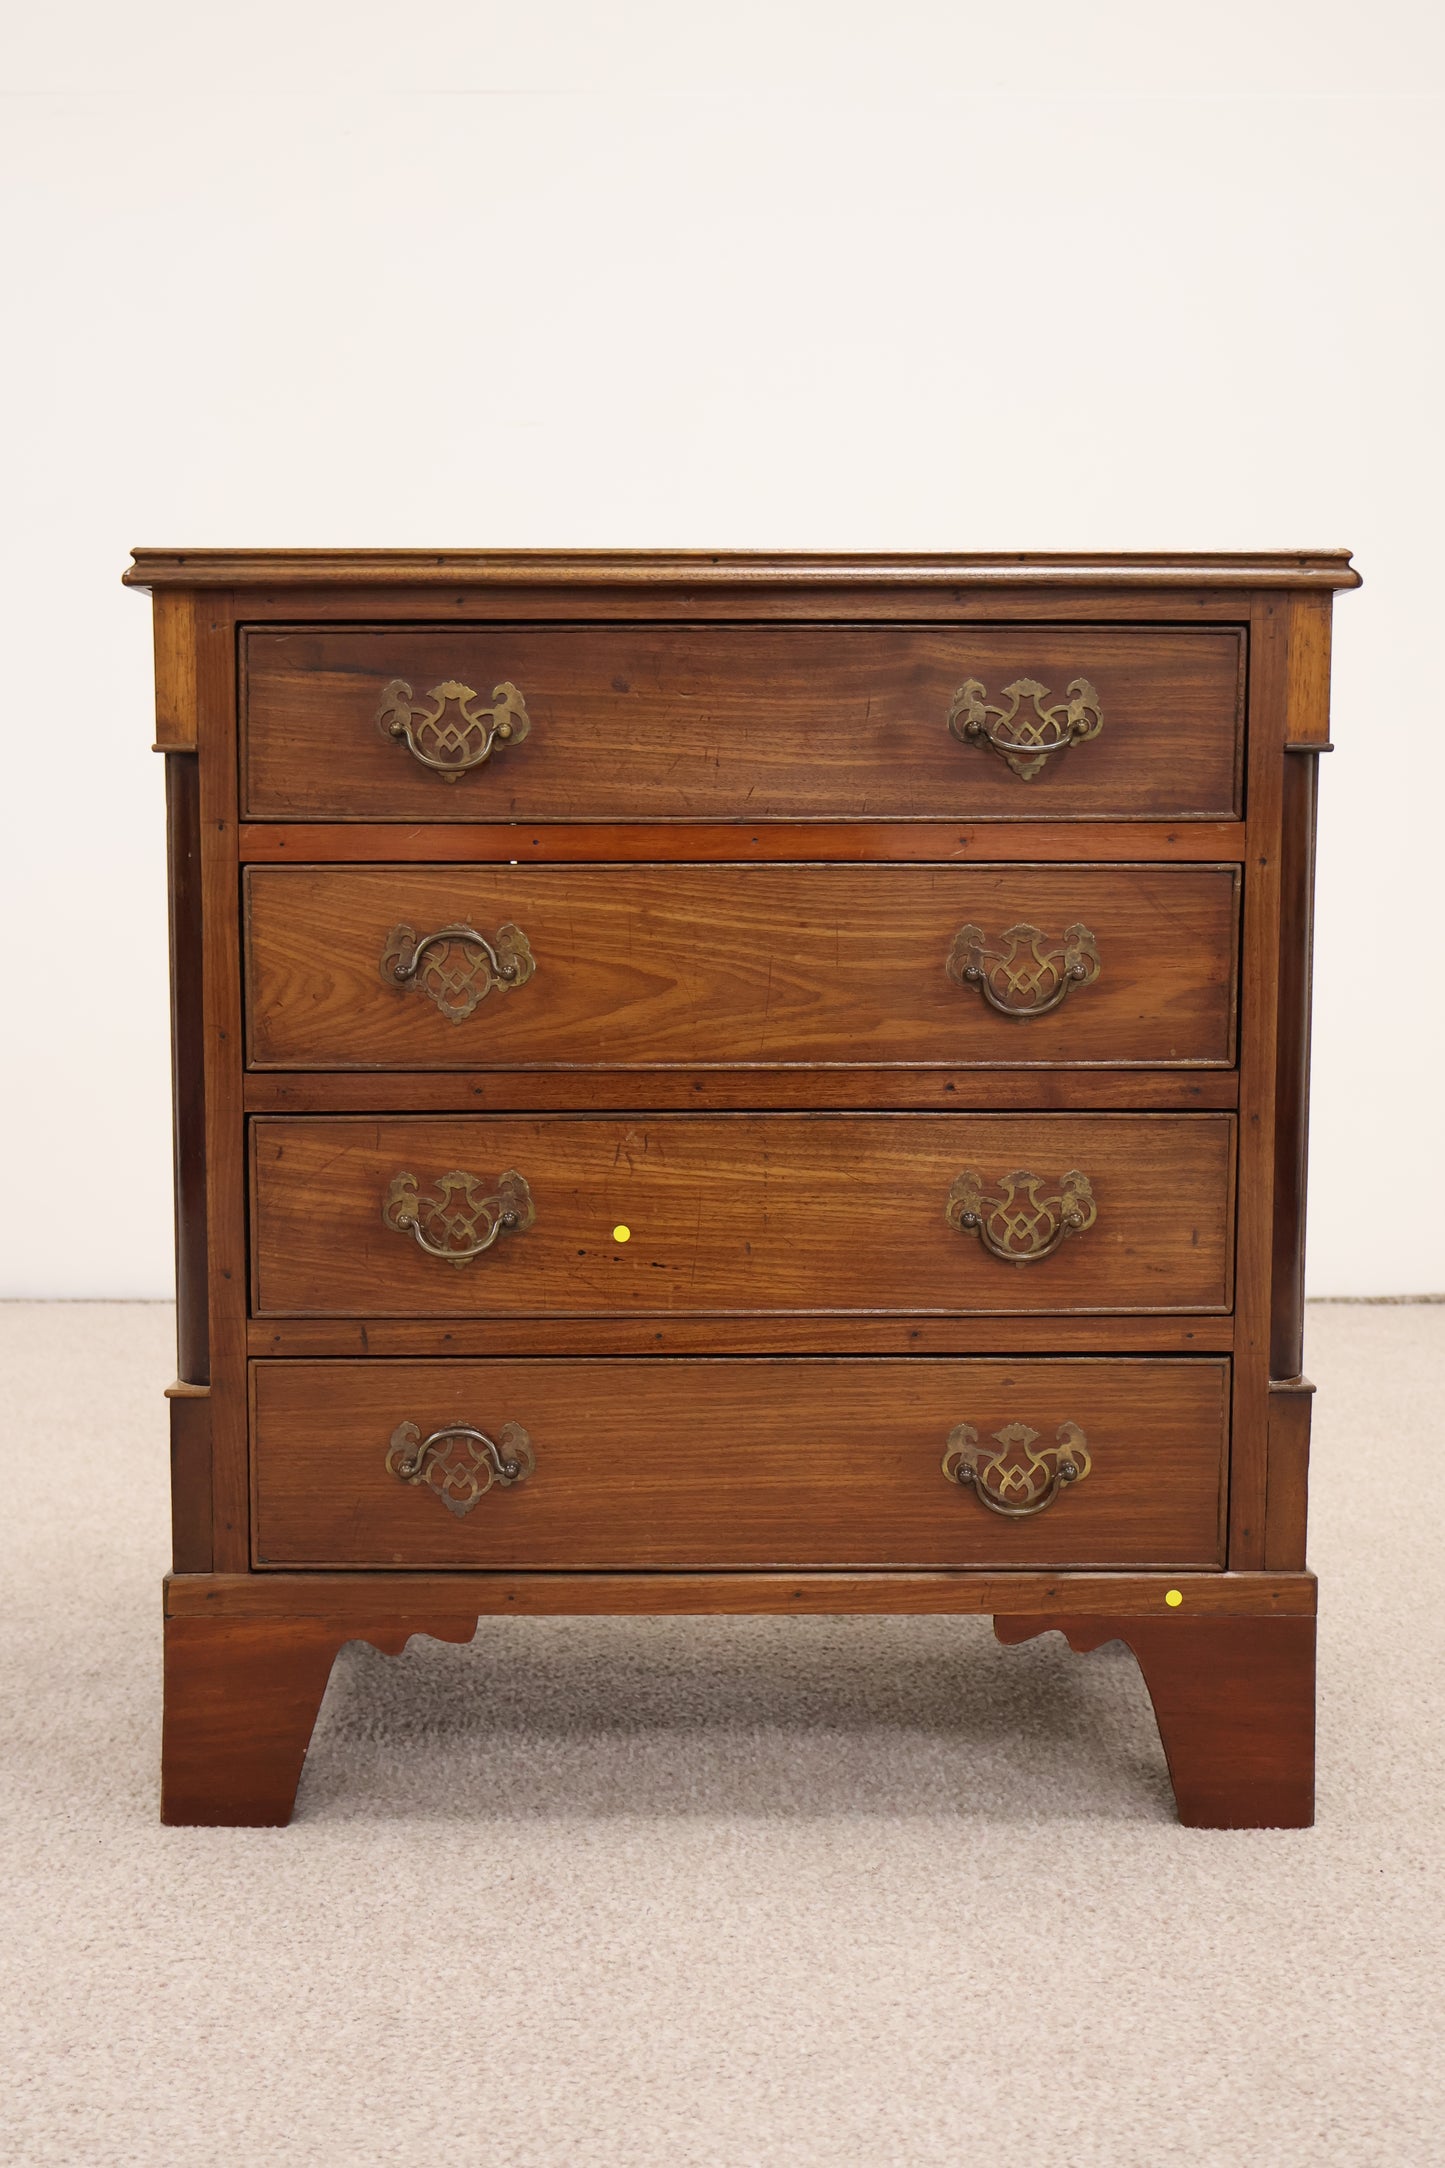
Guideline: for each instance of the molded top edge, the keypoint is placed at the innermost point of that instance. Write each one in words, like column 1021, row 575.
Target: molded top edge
column 735, row 568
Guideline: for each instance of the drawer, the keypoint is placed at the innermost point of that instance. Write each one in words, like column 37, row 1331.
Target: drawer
column 517, row 1215
column 661, row 966
column 812, row 1462
column 742, row 722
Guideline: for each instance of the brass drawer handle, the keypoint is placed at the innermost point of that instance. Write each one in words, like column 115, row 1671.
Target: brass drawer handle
column 461, row 965
column 1019, row 1226
column 451, row 744
column 460, row 1464
column 1026, row 974
column 1025, row 740
column 1016, row 1480
column 458, row 1220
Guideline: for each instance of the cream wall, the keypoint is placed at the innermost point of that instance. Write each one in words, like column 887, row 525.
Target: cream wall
column 807, row 274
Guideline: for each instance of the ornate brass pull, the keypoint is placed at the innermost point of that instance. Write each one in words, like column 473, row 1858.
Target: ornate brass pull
column 461, row 965
column 1027, row 974
column 1020, row 1226
column 1025, row 740
column 1017, row 1480
column 458, row 1220
column 451, row 744
column 460, row 1464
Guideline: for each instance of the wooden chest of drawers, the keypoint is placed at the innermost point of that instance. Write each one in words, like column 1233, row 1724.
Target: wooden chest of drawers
column 740, row 1084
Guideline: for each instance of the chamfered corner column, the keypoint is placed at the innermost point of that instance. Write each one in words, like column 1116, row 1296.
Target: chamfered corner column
column 241, row 1699
column 1235, row 1703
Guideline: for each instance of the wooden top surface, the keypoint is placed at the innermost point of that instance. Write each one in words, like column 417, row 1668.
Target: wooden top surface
column 736, row 568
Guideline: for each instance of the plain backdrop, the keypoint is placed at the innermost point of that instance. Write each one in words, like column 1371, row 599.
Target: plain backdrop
column 768, row 273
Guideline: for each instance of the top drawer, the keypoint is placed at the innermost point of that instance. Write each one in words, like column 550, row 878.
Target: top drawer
column 742, row 722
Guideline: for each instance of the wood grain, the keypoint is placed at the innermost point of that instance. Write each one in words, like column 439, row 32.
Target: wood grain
column 1287, row 1503
column 1258, row 1060
column 732, row 1214
column 744, row 721
column 1289, row 650
column 1292, row 1062
column 660, row 1463
column 1308, row 729
column 397, row 1599
column 1235, row 1704
column 192, row 1547
column 855, row 842
column 225, row 1136
column 173, row 629
column 754, row 1334
column 188, row 1066
column 656, row 966
column 841, row 601
column 646, row 570
column 698, row 1091
column 241, row 1697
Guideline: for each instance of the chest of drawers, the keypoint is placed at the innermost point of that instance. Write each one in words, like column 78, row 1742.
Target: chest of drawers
column 740, row 1084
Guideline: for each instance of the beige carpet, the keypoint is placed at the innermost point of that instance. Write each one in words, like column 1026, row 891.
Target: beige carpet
column 703, row 1894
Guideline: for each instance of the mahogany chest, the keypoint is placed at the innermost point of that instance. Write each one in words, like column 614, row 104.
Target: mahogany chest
column 719, row 1083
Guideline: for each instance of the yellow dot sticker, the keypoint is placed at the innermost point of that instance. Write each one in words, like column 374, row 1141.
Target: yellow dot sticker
column 622, row 1234
column 1173, row 1597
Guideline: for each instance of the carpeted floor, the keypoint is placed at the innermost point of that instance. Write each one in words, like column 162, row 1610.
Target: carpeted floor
column 704, row 1894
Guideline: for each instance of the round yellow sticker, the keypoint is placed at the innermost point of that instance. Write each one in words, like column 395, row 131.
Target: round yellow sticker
column 622, row 1234
column 1173, row 1597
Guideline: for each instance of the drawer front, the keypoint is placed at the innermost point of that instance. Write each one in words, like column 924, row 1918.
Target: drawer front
column 516, row 1215
column 629, row 723
column 665, row 1462
column 659, row 966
